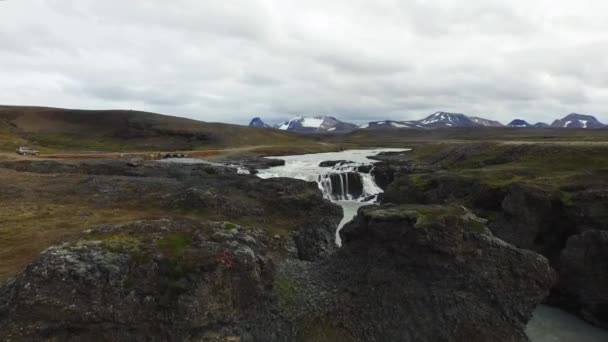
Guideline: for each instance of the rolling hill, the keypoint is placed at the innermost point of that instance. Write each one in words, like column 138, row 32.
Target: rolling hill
column 125, row 130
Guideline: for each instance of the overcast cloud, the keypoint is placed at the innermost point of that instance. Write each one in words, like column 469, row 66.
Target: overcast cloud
column 356, row 59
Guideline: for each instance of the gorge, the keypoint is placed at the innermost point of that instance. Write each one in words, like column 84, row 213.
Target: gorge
column 341, row 176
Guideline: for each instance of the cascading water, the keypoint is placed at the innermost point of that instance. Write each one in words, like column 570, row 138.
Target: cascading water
column 343, row 183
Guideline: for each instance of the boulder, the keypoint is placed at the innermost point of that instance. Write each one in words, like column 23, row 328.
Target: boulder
column 332, row 163
column 365, row 168
column 583, row 278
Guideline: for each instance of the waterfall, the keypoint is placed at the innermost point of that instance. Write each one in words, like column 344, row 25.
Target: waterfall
column 344, row 182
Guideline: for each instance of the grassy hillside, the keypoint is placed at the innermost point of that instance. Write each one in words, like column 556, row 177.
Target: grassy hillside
column 122, row 130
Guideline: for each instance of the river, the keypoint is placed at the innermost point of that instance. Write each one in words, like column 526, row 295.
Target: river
column 547, row 325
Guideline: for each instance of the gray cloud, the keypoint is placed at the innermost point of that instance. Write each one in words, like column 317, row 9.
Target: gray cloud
column 355, row 59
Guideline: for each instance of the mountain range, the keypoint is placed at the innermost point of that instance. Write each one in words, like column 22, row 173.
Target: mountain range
column 436, row 120
column 319, row 123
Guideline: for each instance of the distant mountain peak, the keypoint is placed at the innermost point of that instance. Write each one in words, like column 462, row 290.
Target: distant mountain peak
column 317, row 123
column 485, row 122
column 445, row 120
column 575, row 120
column 258, row 123
column 390, row 124
column 519, row 123
column 435, row 120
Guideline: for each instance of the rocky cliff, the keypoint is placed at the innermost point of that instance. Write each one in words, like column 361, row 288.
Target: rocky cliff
column 562, row 218
column 407, row 273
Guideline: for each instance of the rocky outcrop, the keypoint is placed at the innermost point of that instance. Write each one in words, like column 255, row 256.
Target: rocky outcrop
column 332, row 163
column 526, row 216
column 390, row 165
column 440, row 188
column 208, row 191
column 451, row 278
column 148, row 281
column 417, row 273
column 583, row 279
column 534, row 219
column 588, row 208
column 423, row 273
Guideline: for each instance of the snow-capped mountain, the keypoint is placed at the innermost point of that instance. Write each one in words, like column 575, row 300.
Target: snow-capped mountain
column 320, row 123
column 485, row 122
column 257, row 122
column 445, row 120
column 390, row 124
column 519, row 123
column 435, row 120
column 575, row 120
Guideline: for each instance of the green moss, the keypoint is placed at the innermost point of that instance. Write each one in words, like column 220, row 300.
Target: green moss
column 567, row 198
column 230, row 226
column 428, row 215
column 421, row 181
column 287, row 290
column 275, row 226
column 175, row 244
column 392, row 213
column 451, row 215
column 121, row 243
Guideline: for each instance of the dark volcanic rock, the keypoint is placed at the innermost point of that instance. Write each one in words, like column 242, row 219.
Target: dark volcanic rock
column 365, row 168
column 534, row 219
column 440, row 188
column 253, row 164
column 405, row 274
column 204, row 190
column 332, row 163
column 589, row 209
column 583, row 279
column 317, row 219
column 148, row 281
column 525, row 216
column 394, row 164
column 432, row 274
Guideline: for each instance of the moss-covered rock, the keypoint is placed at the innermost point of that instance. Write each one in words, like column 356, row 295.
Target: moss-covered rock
column 197, row 279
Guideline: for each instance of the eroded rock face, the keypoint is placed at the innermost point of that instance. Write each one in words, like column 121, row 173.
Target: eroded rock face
column 440, row 188
column 161, row 280
column 534, row 219
column 451, row 278
column 425, row 273
column 583, row 283
column 418, row 273
column 589, row 209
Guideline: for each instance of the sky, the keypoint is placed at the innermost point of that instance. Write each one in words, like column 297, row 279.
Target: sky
column 358, row 60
